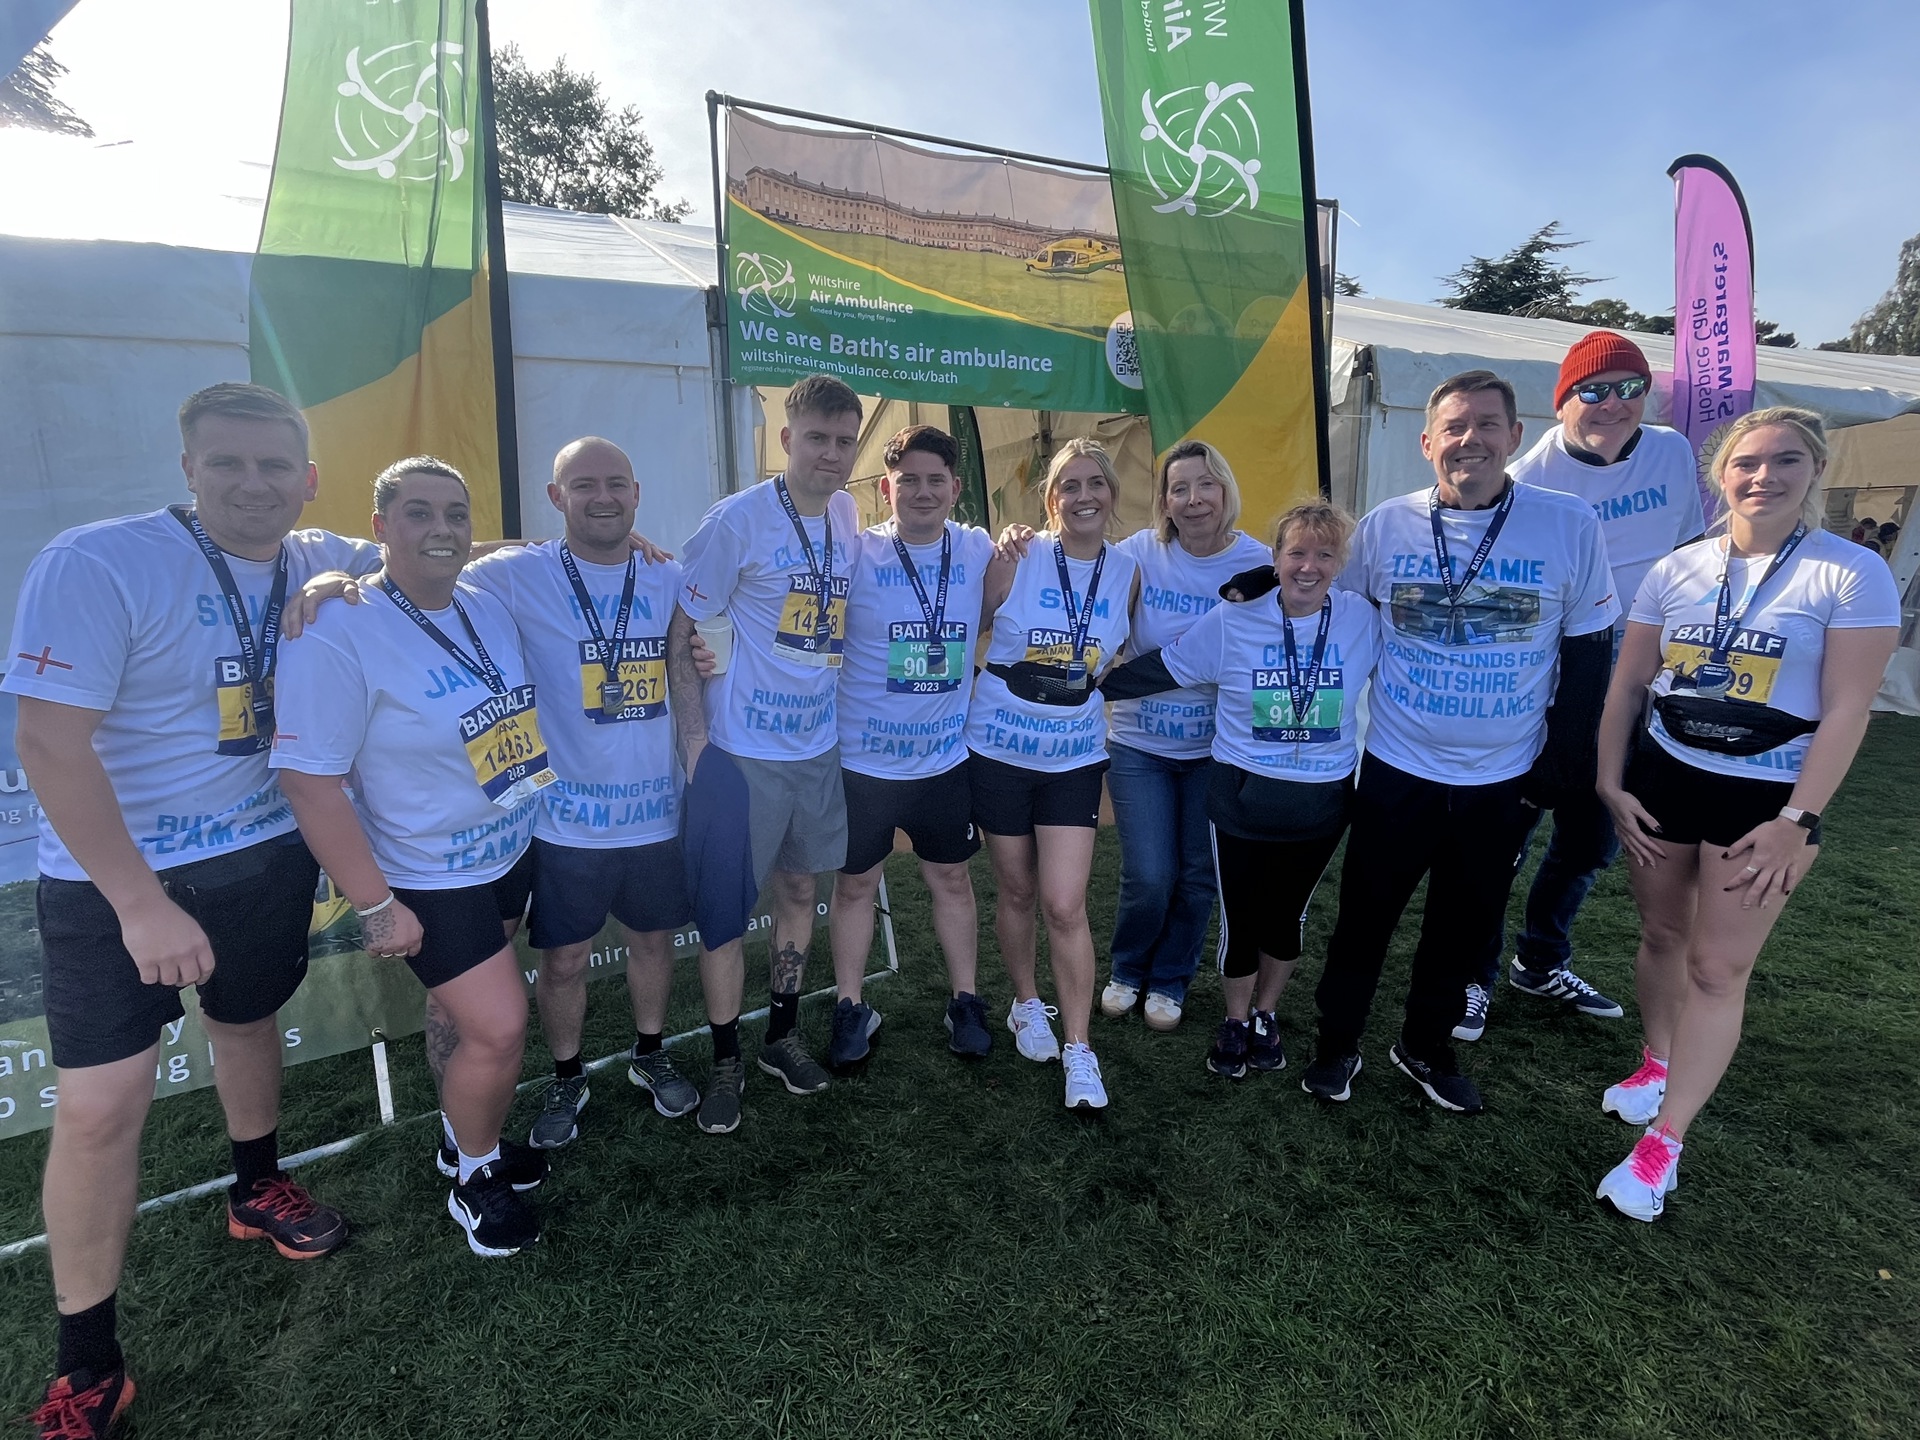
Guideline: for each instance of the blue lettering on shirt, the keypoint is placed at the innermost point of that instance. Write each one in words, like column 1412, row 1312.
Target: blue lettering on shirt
column 1639, row 502
column 1050, row 600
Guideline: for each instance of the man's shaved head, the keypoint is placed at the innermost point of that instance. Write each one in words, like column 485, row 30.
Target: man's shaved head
column 593, row 454
column 593, row 486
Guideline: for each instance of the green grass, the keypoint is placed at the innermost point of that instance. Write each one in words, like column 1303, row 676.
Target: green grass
column 936, row 1249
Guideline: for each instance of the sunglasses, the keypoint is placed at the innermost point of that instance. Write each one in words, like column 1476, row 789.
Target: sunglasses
column 1594, row 391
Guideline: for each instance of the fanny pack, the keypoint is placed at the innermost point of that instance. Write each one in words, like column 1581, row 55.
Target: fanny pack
column 1259, row 807
column 1044, row 684
column 1728, row 727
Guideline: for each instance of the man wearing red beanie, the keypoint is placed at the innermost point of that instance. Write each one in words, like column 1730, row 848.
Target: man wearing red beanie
column 1641, row 482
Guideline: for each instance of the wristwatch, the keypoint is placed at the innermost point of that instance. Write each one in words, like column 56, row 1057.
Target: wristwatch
column 1805, row 819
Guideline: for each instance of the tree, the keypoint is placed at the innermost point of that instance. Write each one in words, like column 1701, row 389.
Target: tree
column 563, row 144
column 27, row 99
column 1345, row 284
column 1618, row 315
column 1768, row 332
column 1892, row 326
column 1527, row 280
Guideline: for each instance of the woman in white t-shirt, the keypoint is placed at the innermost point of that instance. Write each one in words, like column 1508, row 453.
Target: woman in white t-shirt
column 1037, row 737
column 1742, row 691
column 1287, row 670
column 1160, row 743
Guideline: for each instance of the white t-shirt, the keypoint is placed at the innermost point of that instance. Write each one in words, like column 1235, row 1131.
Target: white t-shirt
column 1827, row 584
column 619, row 777
column 1648, row 504
column 903, row 716
column 1176, row 589
column 1033, row 625
column 1461, row 695
column 125, row 616
column 366, row 693
column 1242, row 649
column 776, row 700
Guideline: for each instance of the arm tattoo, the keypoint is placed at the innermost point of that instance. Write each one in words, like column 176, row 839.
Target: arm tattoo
column 788, row 966
column 685, row 690
column 443, row 1038
column 376, row 933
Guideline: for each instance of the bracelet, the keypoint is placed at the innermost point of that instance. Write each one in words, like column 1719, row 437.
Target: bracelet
column 374, row 909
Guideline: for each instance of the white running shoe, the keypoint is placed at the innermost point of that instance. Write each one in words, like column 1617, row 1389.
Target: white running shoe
column 1163, row 1013
column 1084, row 1090
column 1118, row 999
column 1637, row 1098
column 1639, row 1185
column 1033, row 1036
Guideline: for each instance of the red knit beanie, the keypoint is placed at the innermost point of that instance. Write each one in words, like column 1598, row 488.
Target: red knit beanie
column 1595, row 354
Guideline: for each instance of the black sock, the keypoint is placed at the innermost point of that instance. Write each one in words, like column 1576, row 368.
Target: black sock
column 87, row 1341
column 645, row 1044
column 783, row 1016
column 568, row 1069
column 726, row 1040
column 254, row 1161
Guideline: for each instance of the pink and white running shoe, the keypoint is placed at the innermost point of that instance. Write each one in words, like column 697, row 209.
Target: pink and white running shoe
column 1639, row 1185
column 1637, row 1098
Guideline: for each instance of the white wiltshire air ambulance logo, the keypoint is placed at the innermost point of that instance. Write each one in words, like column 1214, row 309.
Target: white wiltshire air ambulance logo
column 766, row 284
column 1202, row 150
column 386, row 118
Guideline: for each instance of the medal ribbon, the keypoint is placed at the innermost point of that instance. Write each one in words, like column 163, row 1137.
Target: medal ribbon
column 1303, row 689
column 935, row 612
column 257, row 656
column 482, row 669
column 609, row 651
column 1727, row 625
column 1081, row 627
column 1455, row 593
column 823, row 613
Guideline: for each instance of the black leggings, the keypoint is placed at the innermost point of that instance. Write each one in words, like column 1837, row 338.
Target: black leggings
column 1265, row 888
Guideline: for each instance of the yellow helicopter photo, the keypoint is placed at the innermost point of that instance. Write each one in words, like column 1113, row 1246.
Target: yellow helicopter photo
column 1075, row 255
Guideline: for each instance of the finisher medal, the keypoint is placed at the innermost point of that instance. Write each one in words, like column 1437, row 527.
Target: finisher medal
column 613, row 697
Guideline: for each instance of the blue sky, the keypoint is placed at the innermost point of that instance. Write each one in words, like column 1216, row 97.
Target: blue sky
column 1444, row 130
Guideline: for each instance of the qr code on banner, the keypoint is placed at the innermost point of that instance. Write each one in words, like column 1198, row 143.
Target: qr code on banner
column 1123, row 355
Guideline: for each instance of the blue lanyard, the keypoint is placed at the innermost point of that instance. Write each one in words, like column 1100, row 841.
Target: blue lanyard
column 823, row 612
column 609, row 653
column 1727, row 625
column 481, row 669
column 1078, row 634
column 1303, row 689
column 257, row 656
column 935, row 612
column 1455, row 593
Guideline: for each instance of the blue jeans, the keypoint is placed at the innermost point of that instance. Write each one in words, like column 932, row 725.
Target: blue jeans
column 1582, row 845
column 1166, row 869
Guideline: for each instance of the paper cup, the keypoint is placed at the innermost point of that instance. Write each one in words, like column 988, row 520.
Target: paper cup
column 718, row 633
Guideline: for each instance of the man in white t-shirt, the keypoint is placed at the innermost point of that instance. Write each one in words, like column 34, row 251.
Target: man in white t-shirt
column 1497, row 610
column 144, row 655
column 911, row 636
column 764, row 799
column 1642, row 484
column 592, row 614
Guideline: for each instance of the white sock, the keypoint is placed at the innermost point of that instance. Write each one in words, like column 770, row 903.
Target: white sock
column 446, row 1131
column 471, row 1163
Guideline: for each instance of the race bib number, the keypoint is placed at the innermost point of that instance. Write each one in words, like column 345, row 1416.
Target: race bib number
column 239, row 731
column 504, row 747
column 641, row 672
column 1055, row 647
column 1753, row 663
column 799, row 635
column 919, row 666
column 1274, row 722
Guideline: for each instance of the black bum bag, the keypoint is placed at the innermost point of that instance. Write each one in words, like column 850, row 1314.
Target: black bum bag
column 1729, row 727
column 1044, row 684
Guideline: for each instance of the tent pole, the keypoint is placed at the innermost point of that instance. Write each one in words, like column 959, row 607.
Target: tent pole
column 730, row 460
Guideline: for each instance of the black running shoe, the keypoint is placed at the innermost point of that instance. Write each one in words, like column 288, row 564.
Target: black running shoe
column 1265, row 1053
column 1330, row 1077
column 1228, row 1056
column 523, row 1166
column 497, row 1221
column 854, row 1024
column 85, row 1405
column 1440, row 1079
column 967, row 1032
column 1566, row 987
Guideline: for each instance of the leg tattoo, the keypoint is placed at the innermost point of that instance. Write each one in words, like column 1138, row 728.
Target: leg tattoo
column 788, row 966
column 443, row 1038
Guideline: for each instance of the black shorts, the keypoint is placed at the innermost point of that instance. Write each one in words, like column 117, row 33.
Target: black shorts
column 463, row 927
column 1011, row 800
column 936, row 811
column 1702, row 807
column 644, row 887
column 255, row 905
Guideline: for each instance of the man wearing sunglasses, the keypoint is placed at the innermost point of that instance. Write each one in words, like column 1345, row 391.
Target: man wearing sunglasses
column 1641, row 482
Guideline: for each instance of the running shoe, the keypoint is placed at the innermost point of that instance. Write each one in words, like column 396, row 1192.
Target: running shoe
column 556, row 1124
column 1118, row 999
column 1565, row 986
column 854, row 1024
column 1033, row 1037
column 523, row 1167
column 497, row 1222
column 1639, row 1185
column 1439, row 1080
column 967, row 1032
column 1084, row 1088
column 281, row 1210
column 673, row 1094
column 1473, row 1023
column 85, row 1406
column 1330, row 1077
column 1637, row 1098
column 787, row 1060
column 1265, row 1053
column 1231, row 1042
column 720, row 1107
column 1163, row 1013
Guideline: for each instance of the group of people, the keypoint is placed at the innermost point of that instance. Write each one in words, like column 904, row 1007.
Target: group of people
column 214, row 705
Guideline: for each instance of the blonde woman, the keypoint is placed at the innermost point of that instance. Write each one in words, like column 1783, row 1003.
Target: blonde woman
column 1737, row 705
column 1037, row 732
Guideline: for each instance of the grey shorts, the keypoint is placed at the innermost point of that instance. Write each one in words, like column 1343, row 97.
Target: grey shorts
column 797, row 814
